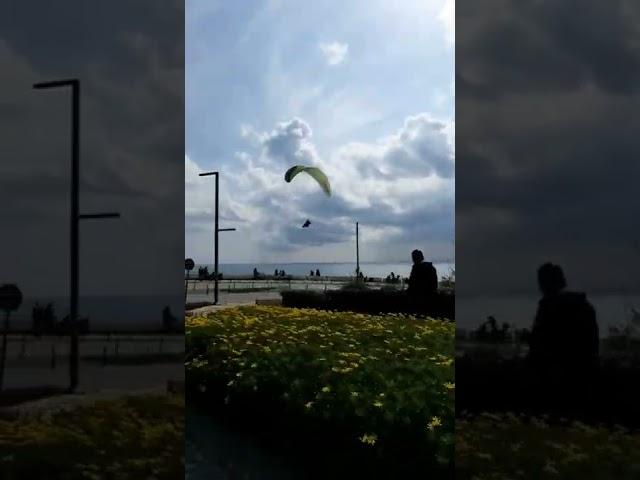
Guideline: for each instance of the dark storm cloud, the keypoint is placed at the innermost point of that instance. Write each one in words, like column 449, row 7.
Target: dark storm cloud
column 540, row 46
column 548, row 141
column 129, row 57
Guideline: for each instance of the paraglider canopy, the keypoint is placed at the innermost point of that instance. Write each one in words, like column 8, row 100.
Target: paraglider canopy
column 317, row 174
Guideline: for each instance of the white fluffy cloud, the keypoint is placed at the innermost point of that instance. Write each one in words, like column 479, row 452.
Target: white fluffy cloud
column 335, row 52
column 400, row 188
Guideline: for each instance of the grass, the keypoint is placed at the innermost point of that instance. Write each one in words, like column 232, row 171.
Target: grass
column 131, row 438
column 491, row 446
column 380, row 386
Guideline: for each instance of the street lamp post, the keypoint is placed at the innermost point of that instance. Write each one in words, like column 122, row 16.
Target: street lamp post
column 216, row 230
column 357, row 252
column 75, row 218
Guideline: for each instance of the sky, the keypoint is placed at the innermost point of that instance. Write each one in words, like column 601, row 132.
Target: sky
column 362, row 89
column 547, row 97
column 132, row 144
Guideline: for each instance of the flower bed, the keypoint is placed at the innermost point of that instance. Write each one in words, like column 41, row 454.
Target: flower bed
column 379, row 386
column 131, row 438
column 490, row 446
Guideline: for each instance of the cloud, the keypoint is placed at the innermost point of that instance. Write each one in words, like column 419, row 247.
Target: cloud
column 547, row 101
column 199, row 200
column 399, row 188
column 132, row 141
column 335, row 52
column 291, row 143
column 349, row 120
column 447, row 17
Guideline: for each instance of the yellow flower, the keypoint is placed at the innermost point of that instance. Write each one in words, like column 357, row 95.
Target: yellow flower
column 326, row 389
column 377, row 403
column 434, row 422
column 449, row 385
column 369, row 438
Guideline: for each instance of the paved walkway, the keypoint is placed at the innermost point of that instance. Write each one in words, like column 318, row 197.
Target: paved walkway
column 214, row 451
column 236, row 300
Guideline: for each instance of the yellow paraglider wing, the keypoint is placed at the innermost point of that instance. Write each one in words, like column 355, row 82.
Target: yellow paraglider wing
column 317, row 174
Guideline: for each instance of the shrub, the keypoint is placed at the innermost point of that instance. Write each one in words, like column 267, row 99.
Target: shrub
column 497, row 446
column 129, row 438
column 382, row 384
column 372, row 301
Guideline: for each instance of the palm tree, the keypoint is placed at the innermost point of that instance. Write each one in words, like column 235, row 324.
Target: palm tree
column 10, row 300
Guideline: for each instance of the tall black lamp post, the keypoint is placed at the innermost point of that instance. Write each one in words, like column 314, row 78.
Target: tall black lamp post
column 357, row 252
column 216, row 230
column 75, row 218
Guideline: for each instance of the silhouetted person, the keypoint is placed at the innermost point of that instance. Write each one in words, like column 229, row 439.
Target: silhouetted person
column 423, row 280
column 256, row 274
column 564, row 341
column 317, row 272
column 275, row 272
column 311, row 273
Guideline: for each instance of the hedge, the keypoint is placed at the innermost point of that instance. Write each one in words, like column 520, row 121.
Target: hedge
column 441, row 305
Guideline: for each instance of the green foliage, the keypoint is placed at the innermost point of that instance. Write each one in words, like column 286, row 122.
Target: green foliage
column 372, row 301
column 490, row 446
column 387, row 379
column 131, row 438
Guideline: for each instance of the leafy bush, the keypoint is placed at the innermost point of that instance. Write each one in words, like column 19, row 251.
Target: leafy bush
column 130, row 438
column 491, row 446
column 384, row 382
column 372, row 301
column 486, row 380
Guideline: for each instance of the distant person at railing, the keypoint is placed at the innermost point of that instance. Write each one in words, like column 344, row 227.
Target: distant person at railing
column 311, row 273
column 423, row 280
column 317, row 272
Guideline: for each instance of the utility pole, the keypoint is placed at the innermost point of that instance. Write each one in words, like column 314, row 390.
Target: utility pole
column 216, row 230
column 75, row 217
column 357, row 252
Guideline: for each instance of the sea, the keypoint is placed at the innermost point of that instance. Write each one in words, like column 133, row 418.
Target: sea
column 125, row 313
column 612, row 310
column 369, row 269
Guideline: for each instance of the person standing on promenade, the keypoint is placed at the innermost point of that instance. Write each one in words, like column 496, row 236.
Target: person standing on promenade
column 423, row 280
